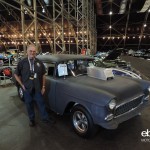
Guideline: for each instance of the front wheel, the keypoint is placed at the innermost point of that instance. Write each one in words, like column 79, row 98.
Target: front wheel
column 82, row 122
column 20, row 93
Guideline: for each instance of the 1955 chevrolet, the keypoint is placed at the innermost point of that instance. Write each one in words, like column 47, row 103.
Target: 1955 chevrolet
column 92, row 95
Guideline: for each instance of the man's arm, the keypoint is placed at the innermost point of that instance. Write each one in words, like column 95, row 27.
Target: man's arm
column 43, row 84
column 18, row 79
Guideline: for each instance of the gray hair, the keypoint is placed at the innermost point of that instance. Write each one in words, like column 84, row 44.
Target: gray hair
column 31, row 45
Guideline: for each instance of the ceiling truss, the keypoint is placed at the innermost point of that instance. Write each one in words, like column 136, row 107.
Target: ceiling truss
column 68, row 25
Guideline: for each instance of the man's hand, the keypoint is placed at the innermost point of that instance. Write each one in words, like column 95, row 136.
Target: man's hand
column 23, row 87
column 43, row 90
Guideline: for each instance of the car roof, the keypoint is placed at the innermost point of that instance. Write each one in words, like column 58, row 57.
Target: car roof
column 56, row 58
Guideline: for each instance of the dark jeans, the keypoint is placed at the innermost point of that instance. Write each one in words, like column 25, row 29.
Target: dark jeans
column 29, row 98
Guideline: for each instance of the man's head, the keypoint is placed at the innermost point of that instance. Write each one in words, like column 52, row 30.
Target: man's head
column 31, row 51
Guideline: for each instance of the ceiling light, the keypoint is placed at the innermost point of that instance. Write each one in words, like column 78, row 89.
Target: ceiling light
column 29, row 2
column 110, row 13
column 46, row 2
column 43, row 10
column 25, row 11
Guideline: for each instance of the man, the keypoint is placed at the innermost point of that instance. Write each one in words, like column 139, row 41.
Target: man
column 30, row 74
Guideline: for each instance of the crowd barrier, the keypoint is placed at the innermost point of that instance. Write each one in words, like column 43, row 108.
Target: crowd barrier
column 5, row 80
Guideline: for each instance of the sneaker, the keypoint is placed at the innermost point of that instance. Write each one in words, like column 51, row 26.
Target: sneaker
column 32, row 123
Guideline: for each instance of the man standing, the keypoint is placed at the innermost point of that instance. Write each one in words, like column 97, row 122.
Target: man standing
column 30, row 74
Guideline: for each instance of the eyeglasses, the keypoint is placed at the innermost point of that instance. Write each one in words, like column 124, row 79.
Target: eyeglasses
column 31, row 51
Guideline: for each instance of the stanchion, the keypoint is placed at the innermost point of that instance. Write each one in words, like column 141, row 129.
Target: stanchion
column 6, row 81
column 9, row 61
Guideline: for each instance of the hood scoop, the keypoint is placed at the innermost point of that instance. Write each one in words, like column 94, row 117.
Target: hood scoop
column 100, row 73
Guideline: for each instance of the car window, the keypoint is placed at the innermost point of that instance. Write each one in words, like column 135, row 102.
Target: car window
column 74, row 67
column 50, row 68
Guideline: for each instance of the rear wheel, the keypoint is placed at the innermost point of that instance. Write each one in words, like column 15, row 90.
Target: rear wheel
column 20, row 93
column 82, row 122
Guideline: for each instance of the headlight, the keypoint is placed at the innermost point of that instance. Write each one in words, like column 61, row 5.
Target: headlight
column 149, row 89
column 147, row 94
column 112, row 104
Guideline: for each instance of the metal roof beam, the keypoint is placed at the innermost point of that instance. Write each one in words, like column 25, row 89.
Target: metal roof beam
column 146, row 6
column 123, row 6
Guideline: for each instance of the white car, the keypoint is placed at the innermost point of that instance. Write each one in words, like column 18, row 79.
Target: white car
column 123, row 72
column 117, row 71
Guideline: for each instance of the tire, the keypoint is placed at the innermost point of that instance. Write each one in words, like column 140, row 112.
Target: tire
column 82, row 122
column 20, row 93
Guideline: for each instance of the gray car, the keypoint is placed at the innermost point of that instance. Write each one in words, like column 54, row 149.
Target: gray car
column 92, row 95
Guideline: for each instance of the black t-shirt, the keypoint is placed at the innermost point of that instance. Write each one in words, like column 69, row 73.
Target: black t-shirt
column 23, row 70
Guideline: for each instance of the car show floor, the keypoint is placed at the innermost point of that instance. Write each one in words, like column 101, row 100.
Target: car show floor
column 15, row 133
column 140, row 64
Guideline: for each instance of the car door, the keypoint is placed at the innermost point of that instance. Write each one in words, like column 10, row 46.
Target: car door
column 49, row 95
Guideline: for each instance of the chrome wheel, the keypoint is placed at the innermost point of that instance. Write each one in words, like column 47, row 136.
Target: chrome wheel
column 80, row 122
column 20, row 93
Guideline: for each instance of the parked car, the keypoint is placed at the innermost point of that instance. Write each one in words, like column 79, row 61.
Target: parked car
column 5, row 73
column 98, row 62
column 116, row 70
column 147, row 54
column 139, row 53
column 7, row 58
column 131, row 52
column 93, row 96
column 113, row 57
column 1, row 63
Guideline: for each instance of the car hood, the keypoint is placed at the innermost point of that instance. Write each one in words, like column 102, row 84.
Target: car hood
column 113, row 54
column 95, row 90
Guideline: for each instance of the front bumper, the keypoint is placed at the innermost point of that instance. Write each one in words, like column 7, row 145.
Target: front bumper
column 113, row 123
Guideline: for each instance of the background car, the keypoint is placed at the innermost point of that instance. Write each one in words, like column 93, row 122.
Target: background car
column 139, row 53
column 7, row 58
column 113, row 58
column 116, row 70
column 1, row 63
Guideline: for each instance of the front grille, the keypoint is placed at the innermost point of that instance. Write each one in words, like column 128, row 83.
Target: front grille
column 123, row 108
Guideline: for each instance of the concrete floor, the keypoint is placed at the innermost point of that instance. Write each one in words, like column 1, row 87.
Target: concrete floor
column 15, row 133
column 140, row 64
